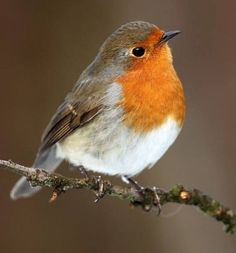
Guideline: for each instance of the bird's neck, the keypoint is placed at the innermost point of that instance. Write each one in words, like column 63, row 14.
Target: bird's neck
column 151, row 95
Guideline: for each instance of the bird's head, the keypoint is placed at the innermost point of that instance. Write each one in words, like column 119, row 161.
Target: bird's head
column 134, row 45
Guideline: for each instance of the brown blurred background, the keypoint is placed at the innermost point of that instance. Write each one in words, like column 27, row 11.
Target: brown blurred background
column 44, row 46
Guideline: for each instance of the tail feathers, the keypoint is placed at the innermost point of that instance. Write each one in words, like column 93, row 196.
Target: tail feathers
column 23, row 189
column 46, row 160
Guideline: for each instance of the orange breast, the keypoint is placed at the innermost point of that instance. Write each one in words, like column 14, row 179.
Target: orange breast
column 152, row 92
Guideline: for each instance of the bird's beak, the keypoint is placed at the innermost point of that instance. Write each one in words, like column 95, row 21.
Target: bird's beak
column 167, row 36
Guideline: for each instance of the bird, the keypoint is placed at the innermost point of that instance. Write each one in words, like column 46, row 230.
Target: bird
column 124, row 112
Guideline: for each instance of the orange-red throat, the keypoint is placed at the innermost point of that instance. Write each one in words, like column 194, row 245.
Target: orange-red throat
column 152, row 91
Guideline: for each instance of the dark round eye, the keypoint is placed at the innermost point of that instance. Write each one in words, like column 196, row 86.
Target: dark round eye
column 138, row 51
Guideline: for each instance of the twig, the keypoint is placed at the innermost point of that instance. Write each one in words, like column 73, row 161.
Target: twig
column 178, row 194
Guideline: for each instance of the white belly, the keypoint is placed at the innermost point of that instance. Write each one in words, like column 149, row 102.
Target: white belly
column 117, row 150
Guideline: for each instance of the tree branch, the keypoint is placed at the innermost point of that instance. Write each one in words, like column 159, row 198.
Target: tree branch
column 178, row 194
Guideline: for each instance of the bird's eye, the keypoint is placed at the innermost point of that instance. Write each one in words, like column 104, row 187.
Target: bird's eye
column 138, row 51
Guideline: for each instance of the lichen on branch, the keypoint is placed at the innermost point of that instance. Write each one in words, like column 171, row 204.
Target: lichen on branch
column 177, row 194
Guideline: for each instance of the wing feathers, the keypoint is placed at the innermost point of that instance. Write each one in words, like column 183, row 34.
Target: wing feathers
column 71, row 115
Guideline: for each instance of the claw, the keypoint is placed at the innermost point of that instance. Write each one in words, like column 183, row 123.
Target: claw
column 102, row 186
column 149, row 196
column 100, row 192
column 157, row 200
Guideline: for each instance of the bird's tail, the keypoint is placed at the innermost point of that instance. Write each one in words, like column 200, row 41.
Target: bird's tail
column 46, row 160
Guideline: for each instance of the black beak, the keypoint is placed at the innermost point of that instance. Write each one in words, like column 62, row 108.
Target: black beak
column 167, row 36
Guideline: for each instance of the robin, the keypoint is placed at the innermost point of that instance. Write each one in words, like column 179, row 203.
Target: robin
column 124, row 112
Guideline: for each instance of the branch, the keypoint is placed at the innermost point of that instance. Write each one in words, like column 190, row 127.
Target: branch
column 178, row 194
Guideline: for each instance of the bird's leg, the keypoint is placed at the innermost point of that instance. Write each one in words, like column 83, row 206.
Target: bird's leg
column 148, row 195
column 84, row 172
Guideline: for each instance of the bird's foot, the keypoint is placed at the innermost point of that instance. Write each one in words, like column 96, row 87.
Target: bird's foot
column 148, row 196
column 84, row 172
column 101, row 187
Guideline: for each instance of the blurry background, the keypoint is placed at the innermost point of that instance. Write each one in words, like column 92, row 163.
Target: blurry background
column 44, row 46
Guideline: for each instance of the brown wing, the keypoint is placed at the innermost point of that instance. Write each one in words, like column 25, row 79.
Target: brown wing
column 79, row 108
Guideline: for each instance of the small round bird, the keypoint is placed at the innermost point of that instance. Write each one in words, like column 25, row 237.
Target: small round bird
column 124, row 112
